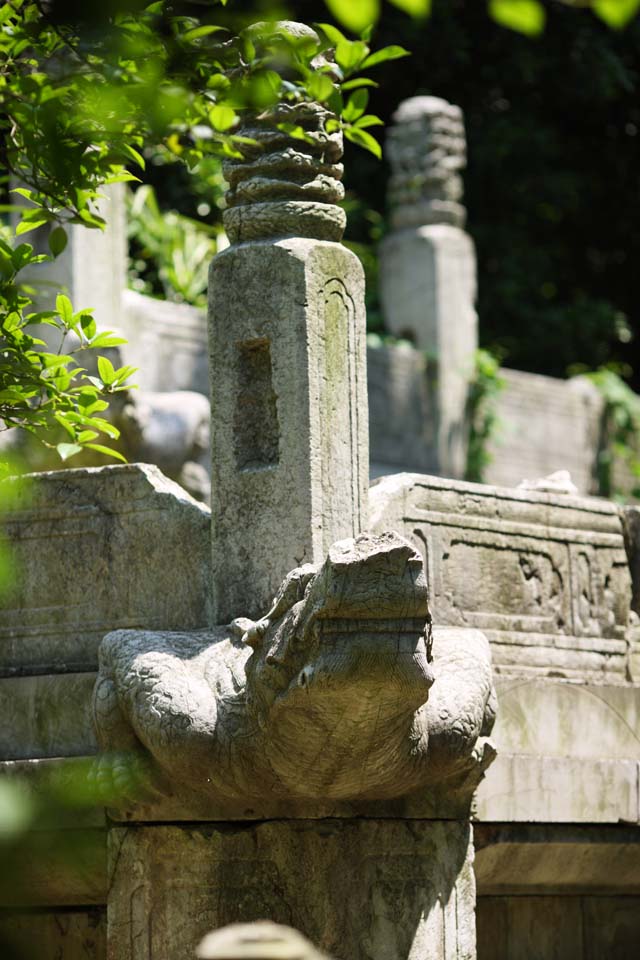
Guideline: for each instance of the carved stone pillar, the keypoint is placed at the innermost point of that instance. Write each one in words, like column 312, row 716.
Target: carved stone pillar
column 301, row 767
column 288, row 364
column 428, row 266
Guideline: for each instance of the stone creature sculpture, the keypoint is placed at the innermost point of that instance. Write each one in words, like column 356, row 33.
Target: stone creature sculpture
column 336, row 694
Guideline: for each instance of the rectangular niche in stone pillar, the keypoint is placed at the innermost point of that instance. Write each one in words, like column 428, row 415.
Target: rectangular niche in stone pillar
column 256, row 431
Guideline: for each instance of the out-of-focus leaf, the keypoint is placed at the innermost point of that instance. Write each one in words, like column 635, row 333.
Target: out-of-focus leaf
column 616, row 13
column 355, row 15
column 57, row 240
column 523, row 16
column 66, row 450
column 416, row 8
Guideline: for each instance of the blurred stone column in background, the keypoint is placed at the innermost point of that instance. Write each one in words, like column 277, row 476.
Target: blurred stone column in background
column 428, row 263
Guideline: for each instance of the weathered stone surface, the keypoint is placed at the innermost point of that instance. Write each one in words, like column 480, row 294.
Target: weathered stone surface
column 554, row 718
column 556, row 928
column 59, row 868
column 428, row 267
column 525, row 859
column 560, row 790
column 286, row 186
column 327, row 697
column 62, row 935
column 413, row 898
column 428, row 291
column 167, row 342
column 402, row 422
column 426, row 149
column 172, row 431
column 545, row 577
column 96, row 550
column 543, row 425
column 47, row 716
column 288, row 391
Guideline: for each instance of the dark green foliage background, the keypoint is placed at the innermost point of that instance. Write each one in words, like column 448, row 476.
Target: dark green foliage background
column 552, row 184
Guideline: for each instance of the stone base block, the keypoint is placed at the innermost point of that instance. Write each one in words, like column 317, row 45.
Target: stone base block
column 53, row 935
column 380, row 890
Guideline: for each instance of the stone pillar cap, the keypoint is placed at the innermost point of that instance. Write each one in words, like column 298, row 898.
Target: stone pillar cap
column 263, row 940
column 424, row 106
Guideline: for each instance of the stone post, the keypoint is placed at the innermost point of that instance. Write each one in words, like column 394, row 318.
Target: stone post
column 288, row 364
column 427, row 262
column 92, row 268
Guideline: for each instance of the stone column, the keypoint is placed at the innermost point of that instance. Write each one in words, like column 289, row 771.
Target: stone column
column 288, row 364
column 427, row 262
column 92, row 268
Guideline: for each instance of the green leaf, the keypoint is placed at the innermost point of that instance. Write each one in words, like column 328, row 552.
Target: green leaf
column 106, row 371
column 616, row 13
column 57, row 240
column 387, row 53
column 350, row 54
column 355, row 15
column 332, row 33
column 368, row 121
column 64, row 308
column 222, row 117
column 107, row 450
column 133, row 154
column 320, row 87
column 415, row 8
column 67, row 450
column 107, row 339
column 202, row 31
column 364, row 139
column 356, row 106
column 25, row 226
column 88, row 325
column 524, row 16
column 27, row 194
column 358, row 82
column 62, row 420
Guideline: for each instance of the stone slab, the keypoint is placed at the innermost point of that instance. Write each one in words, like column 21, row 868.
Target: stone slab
column 545, row 424
column 544, row 576
column 54, row 935
column 519, row 860
column 64, row 777
column 556, row 718
column 357, row 889
column 94, row 550
column 402, row 424
column 56, row 868
column 558, row 928
column 425, row 805
column 289, row 428
column 47, row 716
column 559, row 790
column 167, row 342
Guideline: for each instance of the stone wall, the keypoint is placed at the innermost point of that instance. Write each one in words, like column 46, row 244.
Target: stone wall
column 556, row 835
column 543, row 424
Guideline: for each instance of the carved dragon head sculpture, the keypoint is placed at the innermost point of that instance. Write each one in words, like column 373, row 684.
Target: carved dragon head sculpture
column 331, row 696
column 341, row 663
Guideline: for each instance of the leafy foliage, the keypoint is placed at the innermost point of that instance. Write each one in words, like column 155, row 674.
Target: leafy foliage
column 42, row 389
column 172, row 253
column 484, row 388
column 81, row 98
column 620, row 443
